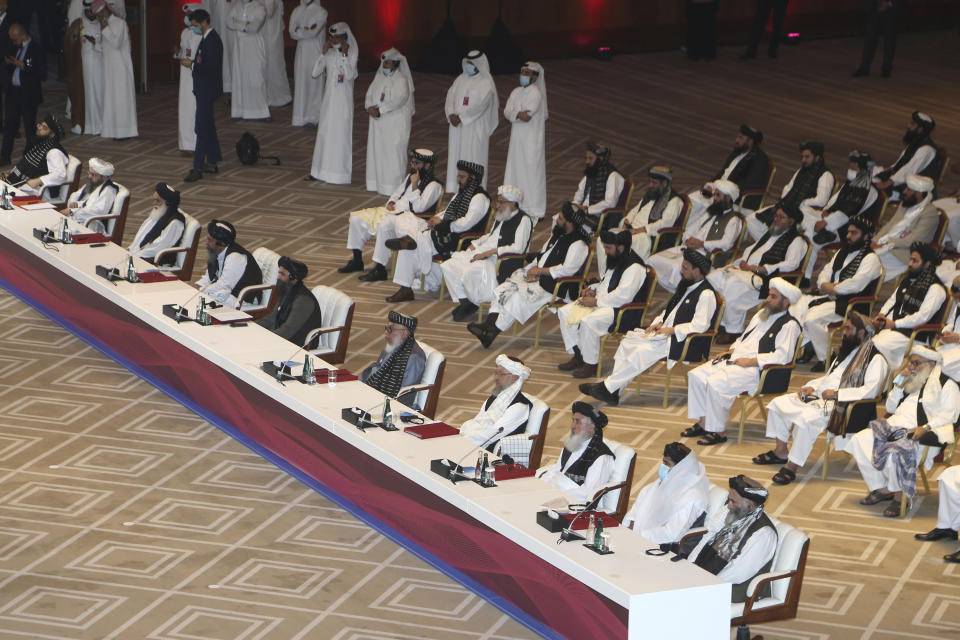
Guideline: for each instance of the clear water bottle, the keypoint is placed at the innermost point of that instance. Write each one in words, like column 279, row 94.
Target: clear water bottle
column 131, row 270
column 591, row 529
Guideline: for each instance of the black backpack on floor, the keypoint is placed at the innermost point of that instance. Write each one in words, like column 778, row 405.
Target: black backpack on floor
column 248, row 150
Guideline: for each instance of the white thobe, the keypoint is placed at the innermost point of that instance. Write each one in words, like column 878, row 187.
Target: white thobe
column 667, row 262
column 639, row 350
column 891, row 262
column 382, row 222
column 249, row 60
column 941, row 406
column 91, row 203
column 587, row 333
column 481, row 430
column 231, row 268
column 278, row 84
column 308, row 27
column 816, row 319
column 825, row 182
column 597, row 475
column 921, row 158
column 951, row 352
column 700, row 202
column 168, row 238
column 951, row 207
column 475, row 280
column 526, row 156
column 712, row 388
column 469, row 97
column 739, row 288
column 388, row 137
column 119, row 93
column 333, row 149
column 757, row 551
column 834, row 220
column 948, row 511
column 186, row 101
column 666, row 509
column 639, row 216
column 92, row 57
column 56, row 176
column 893, row 344
column 412, row 264
column 811, row 418
column 516, row 300
column 219, row 18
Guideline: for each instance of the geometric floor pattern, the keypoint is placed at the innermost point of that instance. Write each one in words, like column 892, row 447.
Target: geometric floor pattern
column 124, row 515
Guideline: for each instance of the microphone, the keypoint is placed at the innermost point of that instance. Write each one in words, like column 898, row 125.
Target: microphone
column 183, row 307
column 366, row 418
column 281, row 366
column 454, row 474
column 569, row 534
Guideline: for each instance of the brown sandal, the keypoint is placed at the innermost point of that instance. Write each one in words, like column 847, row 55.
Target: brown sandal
column 876, row 497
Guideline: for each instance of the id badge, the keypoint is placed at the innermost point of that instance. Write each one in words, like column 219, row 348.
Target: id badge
column 189, row 53
column 339, row 78
column 383, row 95
column 466, row 100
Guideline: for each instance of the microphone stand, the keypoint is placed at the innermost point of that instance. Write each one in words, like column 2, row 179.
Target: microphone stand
column 568, row 533
column 454, row 473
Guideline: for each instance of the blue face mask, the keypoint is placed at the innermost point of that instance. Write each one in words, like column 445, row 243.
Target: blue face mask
column 524, row 81
column 387, row 72
column 663, row 470
column 197, row 30
column 471, row 70
column 186, row 20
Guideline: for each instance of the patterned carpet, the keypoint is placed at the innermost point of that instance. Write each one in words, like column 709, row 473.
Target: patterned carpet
column 123, row 515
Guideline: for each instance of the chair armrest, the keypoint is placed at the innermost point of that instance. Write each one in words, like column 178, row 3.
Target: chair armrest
column 106, row 216
column 693, row 533
column 932, row 326
column 319, row 331
column 169, row 252
column 415, row 388
column 759, row 581
column 247, row 291
column 774, row 367
column 668, row 230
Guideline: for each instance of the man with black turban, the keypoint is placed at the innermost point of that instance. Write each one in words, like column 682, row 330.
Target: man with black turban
column 400, row 363
column 298, row 311
column 44, row 165
column 586, row 462
column 691, row 309
column 919, row 157
column 601, row 185
column 162, row 229
column 230, row 267
column 740, row 541
column 585, row 321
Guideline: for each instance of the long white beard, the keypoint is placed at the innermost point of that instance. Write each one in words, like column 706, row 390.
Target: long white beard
column 156, row 213
column 500, row 216
column 914, row 383
column 574, row 441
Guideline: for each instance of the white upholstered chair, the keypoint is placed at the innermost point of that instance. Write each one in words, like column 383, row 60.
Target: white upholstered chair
column 115, row 221
column 58, row 194
column 336, row 311
column 617, row 502
column 268, row 261
column 428, row 389
column 527, row 448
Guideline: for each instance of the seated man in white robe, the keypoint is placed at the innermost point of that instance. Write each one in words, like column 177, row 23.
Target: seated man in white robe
column 658, row 209
column 740, row 541
column 401, row 362
column 586, row 462
column 418, row 241
column 418, row 193
column 949, row 346
column 675, row 502
column 950, row 205
column 162, row 229
column 472, row 275
column 856, row 373
column 600, row 187
column 230, row 267
column 848, row 273
column 714, row 233
column 691, row 309
column 585, row 321
column 747, row 166
column 917, row 158
column 915, row 220
column 506, row 411
column 44, row 165
column 925, row 404
column 918, row 299
column 743, row 284
column 948, row 511
column 770, row 338
column 93, row 199
column 529, row 288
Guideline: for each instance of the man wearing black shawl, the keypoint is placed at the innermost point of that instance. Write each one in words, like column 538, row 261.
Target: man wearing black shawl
column 747, row 166
column 45, row 163
column 402, row 361
column 163, row 227
column 917, row 158
column 230, row 267
column 298, row 311
column 586, row 462
column 600, row 187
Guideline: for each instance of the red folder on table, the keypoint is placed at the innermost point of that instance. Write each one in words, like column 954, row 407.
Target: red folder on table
column 88, row 238
column 156, row 276
column 432, row 430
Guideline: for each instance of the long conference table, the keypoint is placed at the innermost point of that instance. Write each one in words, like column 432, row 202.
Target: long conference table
column 485, row 538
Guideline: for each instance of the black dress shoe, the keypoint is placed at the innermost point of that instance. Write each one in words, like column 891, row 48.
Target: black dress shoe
column 193, row 176
column 807, row 355
column 818, row 367
column 352, row 266
column 599, row 391
column 376, row 274
column 860, row 72
column 937, row 534
column 464, row 311
column 804, row 283
column 953, row 557
column 210, row 168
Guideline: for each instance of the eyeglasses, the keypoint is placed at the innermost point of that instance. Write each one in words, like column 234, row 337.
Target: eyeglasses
column 390, row 328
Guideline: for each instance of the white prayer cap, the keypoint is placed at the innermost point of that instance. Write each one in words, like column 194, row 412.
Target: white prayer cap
column 510, row 192
column 926, row 353
column 920, row 184
column 513, row 367
column 786, row 289
column 727, row 187
column 101, row 167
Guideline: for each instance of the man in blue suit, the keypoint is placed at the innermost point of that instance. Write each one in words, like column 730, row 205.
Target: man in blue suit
column 21, row 83
column 207, row 69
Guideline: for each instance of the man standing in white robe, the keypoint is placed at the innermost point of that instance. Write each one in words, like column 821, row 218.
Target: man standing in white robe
column 526, row 111
column 472, row 110
column 390, row 104
column 948, row 511
column 219, row 18
column 92, row 56
column 94, row 198
column 119, row 92
column 308, row 27
column 333, row 149
column 186, row 101
column 506, row 411
column 162, row 229
column 278, row 84
column 248, row 60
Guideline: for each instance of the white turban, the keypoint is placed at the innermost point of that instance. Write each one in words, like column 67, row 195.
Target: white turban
column 926, row 353
column 786, row 289
column 513, row 367
column 101, row 167
column 728, row 188
column 920, row 184
column 510, row 192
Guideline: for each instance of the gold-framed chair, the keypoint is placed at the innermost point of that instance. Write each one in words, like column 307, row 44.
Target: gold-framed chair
column 626, row 194
column 669, row 237
column 774, row 380
column 863, row 303
column 637, row 308
column 555, row 300
column 719, row 257
column 185, row 253
column 752, row 193
column 795, row 276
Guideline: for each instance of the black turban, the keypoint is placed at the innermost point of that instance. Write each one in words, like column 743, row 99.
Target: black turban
column 573, row 214
column 296, row 269
column 599, row 149
column 749, row 489
column 923, row 120
column 792, row 211
column 814, row 147
column 622, row 238
column 222, row 231
column 423, row 155
column 754, row 134
column 169, row 195
column 398, row 318
column 698, row 260
column 676, row 451
column 51, row 121
column 473, row 168
column 928, row 253
column 862, row 159
column 862, row 223
column 599, row 417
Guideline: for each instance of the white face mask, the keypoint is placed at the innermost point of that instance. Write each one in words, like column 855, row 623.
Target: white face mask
column 387, row 72
column 662, row 471
column 851, row 174
column 471, row 70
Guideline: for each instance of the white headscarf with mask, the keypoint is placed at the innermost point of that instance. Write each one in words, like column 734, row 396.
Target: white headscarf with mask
column 541, row 84
column 667, row 507
column 403, row 68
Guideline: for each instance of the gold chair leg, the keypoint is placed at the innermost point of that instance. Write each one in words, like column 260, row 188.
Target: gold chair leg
column 666, row 386
column 763, row 410
column 536, row 338
column 443, row 283
column 903, row 505
column 603, row 343
column 743, row 415
column 923, row 476
column 479, row 313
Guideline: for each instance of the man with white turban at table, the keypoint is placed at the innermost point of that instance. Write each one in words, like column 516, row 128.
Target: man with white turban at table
column 506, row 411
column 94, row 198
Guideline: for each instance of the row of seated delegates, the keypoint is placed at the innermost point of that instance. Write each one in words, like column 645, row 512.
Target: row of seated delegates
column 45, row 163
column 401, row 361
column 418, row 240
column 95, row 198
column 418, row 193
column 528, row 288
column 948, row 511
column 297, row 311
column 230, row 267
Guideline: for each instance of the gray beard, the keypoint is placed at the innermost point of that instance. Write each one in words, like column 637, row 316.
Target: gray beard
column 501, row 216
column 913, row 384
column 574, row 441
column 734, row 515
